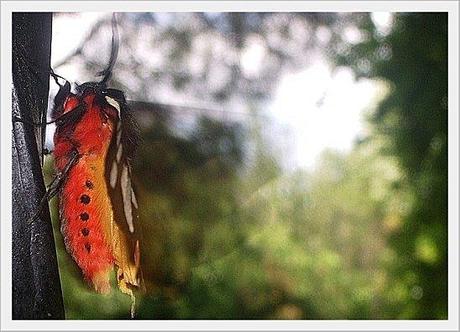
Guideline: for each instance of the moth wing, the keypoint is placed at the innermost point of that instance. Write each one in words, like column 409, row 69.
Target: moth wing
column 124, row 229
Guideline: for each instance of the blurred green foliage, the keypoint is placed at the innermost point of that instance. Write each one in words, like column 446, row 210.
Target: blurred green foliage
column 412, row 120
column 364, row 236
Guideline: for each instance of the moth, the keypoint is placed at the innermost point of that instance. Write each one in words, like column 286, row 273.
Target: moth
column 97, row 204
column 94, row 145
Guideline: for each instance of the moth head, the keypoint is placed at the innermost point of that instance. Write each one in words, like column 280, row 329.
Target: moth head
column 110, row 101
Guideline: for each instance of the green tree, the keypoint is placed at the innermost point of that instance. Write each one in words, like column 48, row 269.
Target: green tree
column 413, row 121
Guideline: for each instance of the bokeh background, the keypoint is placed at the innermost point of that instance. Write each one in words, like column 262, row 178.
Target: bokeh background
column 292, row 165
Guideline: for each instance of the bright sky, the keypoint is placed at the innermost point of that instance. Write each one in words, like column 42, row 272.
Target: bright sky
column 320, row 108
column 324, row 109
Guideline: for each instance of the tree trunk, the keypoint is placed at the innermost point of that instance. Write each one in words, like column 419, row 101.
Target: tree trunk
column 36, row 285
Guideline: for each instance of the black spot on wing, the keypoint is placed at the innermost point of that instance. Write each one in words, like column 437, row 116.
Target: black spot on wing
column 85, row 199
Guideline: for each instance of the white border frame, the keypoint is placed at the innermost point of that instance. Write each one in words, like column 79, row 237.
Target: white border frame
column 452, row 7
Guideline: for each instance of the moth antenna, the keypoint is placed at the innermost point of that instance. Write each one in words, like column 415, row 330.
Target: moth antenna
column 107, row 72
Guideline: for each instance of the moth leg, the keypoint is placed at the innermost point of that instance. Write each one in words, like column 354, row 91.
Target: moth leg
column 56, row 76
column 30, row 122
column 56, row 184
column 62, row 117
column 36, row 71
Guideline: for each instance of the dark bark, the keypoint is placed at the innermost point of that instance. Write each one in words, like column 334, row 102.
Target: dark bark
column 36, row 285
